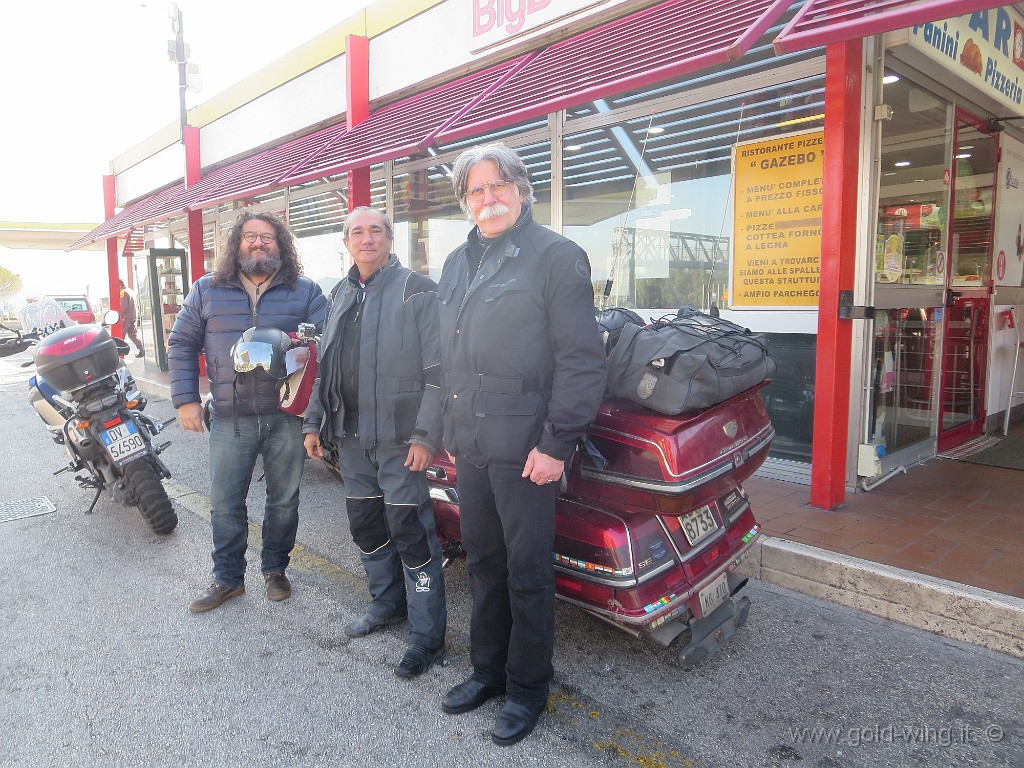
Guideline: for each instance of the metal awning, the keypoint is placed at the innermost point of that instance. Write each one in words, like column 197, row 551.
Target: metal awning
column 659, row 43
column 405, row 127
column 821, row 22
column 263, row 172
column 134, row 215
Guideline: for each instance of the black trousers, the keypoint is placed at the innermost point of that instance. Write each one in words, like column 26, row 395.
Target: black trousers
column 508, row 532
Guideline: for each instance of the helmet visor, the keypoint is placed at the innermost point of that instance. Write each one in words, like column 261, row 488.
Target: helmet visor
column 250, row 355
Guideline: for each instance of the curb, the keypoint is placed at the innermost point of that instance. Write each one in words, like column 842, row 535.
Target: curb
column 958, row 611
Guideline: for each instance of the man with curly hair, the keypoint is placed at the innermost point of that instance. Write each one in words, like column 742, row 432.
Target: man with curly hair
column 257, row 283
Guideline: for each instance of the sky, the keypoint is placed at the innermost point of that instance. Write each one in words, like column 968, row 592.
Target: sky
column 82, row 81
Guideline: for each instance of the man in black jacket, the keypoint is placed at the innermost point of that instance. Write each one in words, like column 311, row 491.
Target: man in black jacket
column 258, row 283
column 523, row 374
column 379, row 404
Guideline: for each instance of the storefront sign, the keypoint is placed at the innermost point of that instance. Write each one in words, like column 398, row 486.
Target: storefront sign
column 497, row 21
column 986, row 49
column 776, row 256
column 1009, row 235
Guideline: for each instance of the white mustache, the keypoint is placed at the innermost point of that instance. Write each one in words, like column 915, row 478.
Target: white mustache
column 492, row 211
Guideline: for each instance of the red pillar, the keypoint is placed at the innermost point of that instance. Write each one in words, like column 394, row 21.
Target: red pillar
column 113, row 286
column 194, row 220
column 357, row 89
column 843, row 73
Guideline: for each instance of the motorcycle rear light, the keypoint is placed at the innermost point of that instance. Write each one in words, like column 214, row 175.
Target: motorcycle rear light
column 593, row 543
column 112, row 423
column 83, row 425
column 131, row 403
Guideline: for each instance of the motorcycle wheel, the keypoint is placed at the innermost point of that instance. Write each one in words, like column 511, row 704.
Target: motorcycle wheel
column 151, row 495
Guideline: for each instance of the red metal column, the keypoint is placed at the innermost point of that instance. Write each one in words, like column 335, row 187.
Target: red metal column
column 194, row 220
column 843, row 73
column 109, row 203
column 357, row 89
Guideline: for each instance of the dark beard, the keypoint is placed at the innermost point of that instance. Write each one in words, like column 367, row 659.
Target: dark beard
column 266, row 265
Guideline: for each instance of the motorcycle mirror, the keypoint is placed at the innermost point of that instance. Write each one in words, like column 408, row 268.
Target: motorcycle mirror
column 111, row 316
column 121, row 345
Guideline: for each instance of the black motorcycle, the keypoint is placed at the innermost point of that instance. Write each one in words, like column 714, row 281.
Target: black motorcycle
column 90, row 404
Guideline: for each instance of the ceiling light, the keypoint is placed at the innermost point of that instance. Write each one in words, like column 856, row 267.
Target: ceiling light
column 963, row 155
column 901, row 163
column 890, row 79
column 655, row 129
column 573, row 148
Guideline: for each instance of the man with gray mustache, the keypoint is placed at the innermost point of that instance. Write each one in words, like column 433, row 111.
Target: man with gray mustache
column 523, row 373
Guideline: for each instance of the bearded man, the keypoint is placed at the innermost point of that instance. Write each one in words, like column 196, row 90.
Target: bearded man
column 258, row 283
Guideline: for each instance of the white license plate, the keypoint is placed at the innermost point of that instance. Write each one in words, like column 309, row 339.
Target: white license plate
column 714, row 594
column 123, row 441
column 698, row 524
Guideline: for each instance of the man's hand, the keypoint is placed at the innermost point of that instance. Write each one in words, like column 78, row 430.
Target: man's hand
column 419, row 458
column 190, row 416
column 313, row 448
column 543, row 469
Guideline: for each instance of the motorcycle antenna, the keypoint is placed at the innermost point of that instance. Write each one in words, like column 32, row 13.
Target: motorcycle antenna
column 712, row 302
column 623, row 218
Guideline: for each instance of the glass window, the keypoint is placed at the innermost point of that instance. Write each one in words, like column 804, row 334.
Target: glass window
column 430, row 224
column 650, row 198
column 913, row 194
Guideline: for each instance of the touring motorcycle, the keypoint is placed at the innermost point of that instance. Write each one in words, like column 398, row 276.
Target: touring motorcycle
column 88, row 400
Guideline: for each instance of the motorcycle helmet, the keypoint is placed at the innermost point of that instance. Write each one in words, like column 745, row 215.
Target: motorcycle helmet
column 262, row 349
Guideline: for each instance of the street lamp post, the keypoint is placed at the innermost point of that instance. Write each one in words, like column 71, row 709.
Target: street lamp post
column 179, row 51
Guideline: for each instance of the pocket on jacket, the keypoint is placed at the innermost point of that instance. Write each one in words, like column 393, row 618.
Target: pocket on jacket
column 407, row 409
column 507, row 427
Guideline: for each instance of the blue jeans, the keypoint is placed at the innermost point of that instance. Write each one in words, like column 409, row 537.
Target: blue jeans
column 278, row 438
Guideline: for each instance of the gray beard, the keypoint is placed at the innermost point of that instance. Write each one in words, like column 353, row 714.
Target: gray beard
column 262, row 266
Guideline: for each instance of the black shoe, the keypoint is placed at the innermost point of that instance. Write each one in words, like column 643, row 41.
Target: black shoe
column 515, row 722
column 142, row 353
column 469, row 695
column 418, row 660
column 214, row 597
column 364, row 625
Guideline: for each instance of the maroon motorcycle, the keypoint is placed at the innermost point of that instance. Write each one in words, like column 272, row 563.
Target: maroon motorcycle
column 650, row 526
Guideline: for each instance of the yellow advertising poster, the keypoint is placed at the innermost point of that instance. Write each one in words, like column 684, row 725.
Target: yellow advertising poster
column 777, row 224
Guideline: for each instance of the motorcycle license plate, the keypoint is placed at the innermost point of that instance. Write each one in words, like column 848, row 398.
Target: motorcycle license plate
column 714, row 594
column 698, row 525
column 123, row 441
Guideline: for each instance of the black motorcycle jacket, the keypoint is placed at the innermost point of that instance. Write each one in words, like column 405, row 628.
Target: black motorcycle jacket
column 522, row 361
column 398, row 361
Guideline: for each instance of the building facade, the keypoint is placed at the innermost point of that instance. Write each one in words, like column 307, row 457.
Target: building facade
column 834, row 175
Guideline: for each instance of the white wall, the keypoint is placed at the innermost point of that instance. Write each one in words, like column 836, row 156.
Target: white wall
column 316, row 96
column 154, row 172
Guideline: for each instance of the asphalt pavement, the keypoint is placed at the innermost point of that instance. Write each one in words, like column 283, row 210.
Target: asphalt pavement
column 104, row 665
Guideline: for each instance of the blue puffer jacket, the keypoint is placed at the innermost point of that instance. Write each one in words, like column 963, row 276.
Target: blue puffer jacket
column 212, row 320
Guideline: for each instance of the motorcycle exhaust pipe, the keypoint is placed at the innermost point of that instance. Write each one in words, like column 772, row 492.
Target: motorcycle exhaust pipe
column 87, row 449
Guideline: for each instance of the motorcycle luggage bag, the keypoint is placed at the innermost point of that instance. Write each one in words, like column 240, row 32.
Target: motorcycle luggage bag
column 686, row 363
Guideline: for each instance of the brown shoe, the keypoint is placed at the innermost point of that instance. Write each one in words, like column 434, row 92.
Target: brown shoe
column 214, row 597
column 278, row 587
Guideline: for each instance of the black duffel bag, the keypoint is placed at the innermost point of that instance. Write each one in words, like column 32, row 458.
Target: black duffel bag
column 686, row 363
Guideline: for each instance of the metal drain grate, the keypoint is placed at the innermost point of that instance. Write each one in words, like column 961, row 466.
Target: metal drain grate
column 16, row 510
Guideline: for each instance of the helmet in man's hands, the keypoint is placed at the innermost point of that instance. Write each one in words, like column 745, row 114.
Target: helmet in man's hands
column 262, row 349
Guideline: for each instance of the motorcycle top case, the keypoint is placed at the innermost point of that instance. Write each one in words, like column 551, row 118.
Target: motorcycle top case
column 73, row 357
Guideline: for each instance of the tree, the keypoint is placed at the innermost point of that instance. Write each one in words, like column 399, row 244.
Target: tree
column 9, row 282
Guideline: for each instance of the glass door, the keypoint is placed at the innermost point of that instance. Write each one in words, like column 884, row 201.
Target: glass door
column 965, row 341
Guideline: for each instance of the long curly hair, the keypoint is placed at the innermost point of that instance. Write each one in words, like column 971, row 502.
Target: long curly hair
column 227, row 266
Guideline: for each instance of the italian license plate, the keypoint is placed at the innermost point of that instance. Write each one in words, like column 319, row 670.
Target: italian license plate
column 123, row 441
column 698, row 525
column 714, row 594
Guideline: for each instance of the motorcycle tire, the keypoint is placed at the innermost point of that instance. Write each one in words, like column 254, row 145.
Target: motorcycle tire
column 151, row 496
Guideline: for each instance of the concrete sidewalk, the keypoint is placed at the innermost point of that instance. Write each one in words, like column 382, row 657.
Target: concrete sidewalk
column 924, row 600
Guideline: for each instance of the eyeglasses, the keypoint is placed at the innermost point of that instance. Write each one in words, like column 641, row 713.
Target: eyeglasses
column 250, row 237
column 498, row 188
